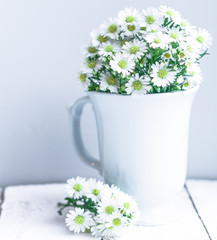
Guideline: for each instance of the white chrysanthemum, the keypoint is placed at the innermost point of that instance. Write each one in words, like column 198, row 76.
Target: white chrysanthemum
column 168, row 55
column 122, row 64
column 108, row 49
column 134, row 49
column 203, row 37
column 76, row 187
column 130, row 30
column 89, row 51
column 111, row 192
column 158, row 40
column 79, row 220
column 91, row 65
column 194, row 71
column 171, row 13
column 110, row 28
column 185, row 25
column 128, row 204
column 107, row 206
column 138, row 85
column 84, row 81
column 191, row 48
column 130, row 16
column 108, row 82
column 94, row 189
column 162, row 76
column 115, row 224
column 97, row 37
column 153, row 19
column 176, row 35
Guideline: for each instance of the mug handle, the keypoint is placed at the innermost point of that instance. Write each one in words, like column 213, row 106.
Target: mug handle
column 76, row 111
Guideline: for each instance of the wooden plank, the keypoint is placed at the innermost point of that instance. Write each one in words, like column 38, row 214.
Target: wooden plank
column 204, row 194
column 30, row 212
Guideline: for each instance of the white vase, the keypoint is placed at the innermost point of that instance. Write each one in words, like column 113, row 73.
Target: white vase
column 143, row 145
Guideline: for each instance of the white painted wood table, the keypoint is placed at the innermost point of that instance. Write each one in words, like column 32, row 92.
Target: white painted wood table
column 30, row 213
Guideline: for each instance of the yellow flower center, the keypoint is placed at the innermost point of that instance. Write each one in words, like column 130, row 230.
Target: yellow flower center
column 200, row 39
column 162, row 73
column 167, row 55
column 131, row 28
column 95, row 191
column 134, row 49
column 102, row 38
column 117, row 222
column 92, row 50
column 112, row 28
column 111, row 81
column 157, row 40
column 83, row 77
column 77, row 187
column 137, row 85
column 169, row 13
column 150, row 19
column 122, row 64
column 92, row 64
column 127, row 205
column 109, row 209
column 174, row 35
column 79, row 219
column 109, row 48
column 130, row 19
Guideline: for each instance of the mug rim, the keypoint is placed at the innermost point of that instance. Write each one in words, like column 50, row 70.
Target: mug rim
column 184, row 92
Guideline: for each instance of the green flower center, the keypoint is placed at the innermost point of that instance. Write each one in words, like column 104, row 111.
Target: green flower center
column 181, row 55
column 92, row 50
column 112, row 28
column 122, row 64
column 102, row 39
column 169, row 13
column 109, row 48
column 131, row 28
column 200, row 39
column 127, row 205
column 79, row 219
column 150, row 19
column 137, row 85
column 77, row 187
column 186, row 84
column 134, row 49
column 190, row 49
column 167, row 55
column 157, row 40
column 83, row 77
column 117, row 221
column 111, row 81
column 123, row 42
column 183, row 24
column 174, row 35
column 92, row 64
column 162, row 73
column 95, row 191
column 130, row 19
column 109, row 209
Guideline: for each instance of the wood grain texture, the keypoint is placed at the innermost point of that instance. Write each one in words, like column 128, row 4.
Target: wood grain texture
column 204, row 194
column 30, row 212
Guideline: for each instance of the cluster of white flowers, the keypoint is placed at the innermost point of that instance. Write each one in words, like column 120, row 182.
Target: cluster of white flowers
column 97, row 208
column 152, row 51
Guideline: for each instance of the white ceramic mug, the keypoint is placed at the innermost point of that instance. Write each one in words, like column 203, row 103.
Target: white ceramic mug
column 143, row 143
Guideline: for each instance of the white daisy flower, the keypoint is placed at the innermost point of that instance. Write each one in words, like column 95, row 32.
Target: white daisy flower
column 76, row 187
column 91, row 65
column 122, row 64
column 161, row 75
column 84, row 81
column 79, row 220
column 176, row 35
column 134, row 49
column 89, row 50
column 171, row 13
column 116, row 224
column 180, row 79
column 107, row 206
column 111, row 192
column 158, row 40
column 110, row 28
column 138, row 86
column 153, row 19
column 108, row 49
column 108, row 82
column 130, row 16
column 185, row 25
column 191, row 48
column 194, row 70
column 97, row 37
column 203, row 37
column 166, row 56
column 128, row 204
column 94, row 189
column 130, row 30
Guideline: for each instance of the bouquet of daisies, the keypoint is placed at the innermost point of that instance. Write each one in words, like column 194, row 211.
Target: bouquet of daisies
column 152, row 51
column 97, row 208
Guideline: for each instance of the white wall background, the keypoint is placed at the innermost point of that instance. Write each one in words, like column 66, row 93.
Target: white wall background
column 40, row 44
